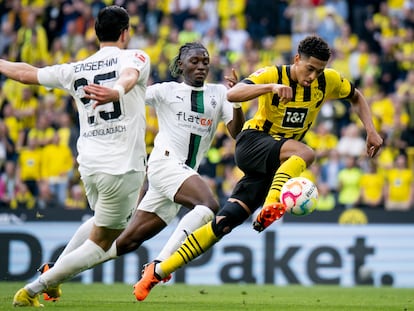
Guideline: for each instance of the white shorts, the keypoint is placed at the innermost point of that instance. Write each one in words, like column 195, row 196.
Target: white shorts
column 113, row 198
column 165, row 177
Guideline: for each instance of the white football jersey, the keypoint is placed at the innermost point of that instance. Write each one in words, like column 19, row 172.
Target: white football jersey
column 112, row 136
column 187, row 119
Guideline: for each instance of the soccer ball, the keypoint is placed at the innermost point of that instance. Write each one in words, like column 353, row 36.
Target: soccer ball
column 299, row 195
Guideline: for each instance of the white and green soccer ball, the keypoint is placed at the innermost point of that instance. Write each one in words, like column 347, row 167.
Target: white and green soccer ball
column 299, row 195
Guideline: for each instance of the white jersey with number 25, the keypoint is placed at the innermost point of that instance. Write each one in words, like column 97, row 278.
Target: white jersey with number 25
column 112, row 136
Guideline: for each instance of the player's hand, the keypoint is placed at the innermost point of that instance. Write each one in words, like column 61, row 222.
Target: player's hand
column 284, row 92
column 100, row 94
column 374, row 143
column 232, row 81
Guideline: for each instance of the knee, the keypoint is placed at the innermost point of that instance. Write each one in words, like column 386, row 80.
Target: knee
column 126, row 244
column 231, row 216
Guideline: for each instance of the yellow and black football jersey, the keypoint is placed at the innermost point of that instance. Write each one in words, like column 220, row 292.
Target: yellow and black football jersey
column 293, row 119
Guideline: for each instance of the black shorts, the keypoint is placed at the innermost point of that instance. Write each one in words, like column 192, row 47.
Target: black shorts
column 257, row 155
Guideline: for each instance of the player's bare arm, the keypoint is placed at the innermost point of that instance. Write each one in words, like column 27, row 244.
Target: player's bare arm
column 244, row 92
column 21, row 72
column 102, row 95
column 374, row 140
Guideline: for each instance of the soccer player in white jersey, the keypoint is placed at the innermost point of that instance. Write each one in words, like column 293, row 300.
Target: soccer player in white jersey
column 188, row 115
column 111, row 145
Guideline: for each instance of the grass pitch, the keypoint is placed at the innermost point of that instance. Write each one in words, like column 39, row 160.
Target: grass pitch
column 177, row 297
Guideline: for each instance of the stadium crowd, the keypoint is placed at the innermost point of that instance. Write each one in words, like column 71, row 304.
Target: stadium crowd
column 372, row 43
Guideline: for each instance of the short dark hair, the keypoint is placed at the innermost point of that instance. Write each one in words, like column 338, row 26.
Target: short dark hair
column 314, row 46
column 184, row 49
column 110, row 23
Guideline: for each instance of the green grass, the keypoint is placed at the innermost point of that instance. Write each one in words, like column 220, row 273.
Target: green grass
column 222, row 298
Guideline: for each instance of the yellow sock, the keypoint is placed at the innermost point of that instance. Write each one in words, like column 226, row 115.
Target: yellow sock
column 292, row 167
column 194, row 245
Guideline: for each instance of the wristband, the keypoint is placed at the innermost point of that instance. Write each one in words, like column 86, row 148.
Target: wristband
column 120, row 89
column 236, row 105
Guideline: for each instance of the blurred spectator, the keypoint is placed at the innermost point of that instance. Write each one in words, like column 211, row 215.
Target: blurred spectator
column 408, row 13
column 237, row 36
column 383, row 109
column 329, row 25
column 90, row 48
column 322, row 140
column 326, row 199
column 53, row 19
column 330, row 169
column 404, row 52
column 262, row 19
column 340, row 7
column 399, row 194
column 7, row 146
column 8, row 184
column 153, row 17
column 346, row 41
column 202, row 24
column 303, row 20
column 7, row 37
column 76, row 198
column 57, row 165
column 227, row 10
column 24, row 199
column 72, row 41
column 46, row 199
column 349, row 183
column 389, row 68
column 211, row 7
column 13, row 125
column 25, row 108
column 85, row 22
column 58, row 54
column 43, row 132
column 372, row 186
column 67, row 132
column 358, row 60
column 139, row 39
column 32, row 42
column 29, row 165
column 188, row 33
column 351, row 143
column 183, row 9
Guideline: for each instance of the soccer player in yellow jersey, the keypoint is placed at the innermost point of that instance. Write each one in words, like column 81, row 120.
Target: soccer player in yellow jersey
column 269, row 149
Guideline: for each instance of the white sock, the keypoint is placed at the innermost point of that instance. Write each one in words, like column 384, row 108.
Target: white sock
column 84, row 257
column 80, row 236
column 199, row 216
column 111, row 253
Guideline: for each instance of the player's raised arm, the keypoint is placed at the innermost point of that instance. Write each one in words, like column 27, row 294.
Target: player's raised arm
column 374, row 140
column 22, row 72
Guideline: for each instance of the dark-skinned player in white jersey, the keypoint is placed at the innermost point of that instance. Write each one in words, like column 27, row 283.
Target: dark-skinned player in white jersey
column 269, row 149
column 188, row 114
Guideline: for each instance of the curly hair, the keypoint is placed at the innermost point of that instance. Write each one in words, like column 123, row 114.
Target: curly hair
column 314, row 46
column 184, row 50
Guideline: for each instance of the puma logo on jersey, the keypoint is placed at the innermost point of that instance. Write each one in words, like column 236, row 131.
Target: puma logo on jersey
column 180, row 98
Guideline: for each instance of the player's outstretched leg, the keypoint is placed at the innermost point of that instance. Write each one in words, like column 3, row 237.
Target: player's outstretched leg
column 268, row 215
column 51, row 293
column 148, row 280
column 23, row 299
